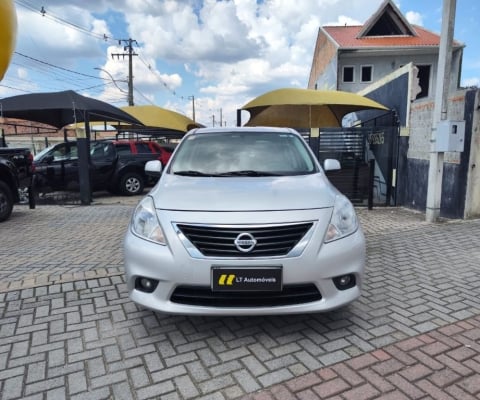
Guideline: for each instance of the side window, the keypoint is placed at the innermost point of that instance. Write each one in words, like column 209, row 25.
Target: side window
column 123, row 149
column 367, row 73
column 348, row 73
column 73, row 152
column 97, row 150
column 143, row 148
column 65, row 151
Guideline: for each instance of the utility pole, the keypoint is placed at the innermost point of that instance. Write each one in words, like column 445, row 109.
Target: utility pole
column 213, row 120
column 435, row 171
column 221, row 117
column 130, row 53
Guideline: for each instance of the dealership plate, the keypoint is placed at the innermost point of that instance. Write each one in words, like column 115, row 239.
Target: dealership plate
column 247, row 279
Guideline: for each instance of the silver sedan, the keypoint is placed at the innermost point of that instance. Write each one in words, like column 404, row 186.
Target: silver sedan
column 243, row 221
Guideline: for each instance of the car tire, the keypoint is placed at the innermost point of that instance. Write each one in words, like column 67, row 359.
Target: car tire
column 131, row 184
column 6, row 202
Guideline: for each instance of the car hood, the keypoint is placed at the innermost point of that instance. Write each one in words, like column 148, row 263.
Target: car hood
column 185, row 193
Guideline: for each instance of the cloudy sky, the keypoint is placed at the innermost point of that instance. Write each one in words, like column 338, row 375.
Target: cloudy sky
column 214, row 54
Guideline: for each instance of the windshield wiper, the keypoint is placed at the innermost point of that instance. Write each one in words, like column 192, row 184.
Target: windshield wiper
column 191, row 173
column 248, row 172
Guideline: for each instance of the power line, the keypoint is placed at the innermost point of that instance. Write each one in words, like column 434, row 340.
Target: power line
column 173, row 92
column 58, row 74
column 157, row 75
column 46, row 13
column 145, row 97
column 51, row 77
column 49, row 15
column 13, row 88
column 53, row 17
column 56, row 66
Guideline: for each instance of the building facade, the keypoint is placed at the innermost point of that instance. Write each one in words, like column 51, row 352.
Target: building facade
column 350, row 58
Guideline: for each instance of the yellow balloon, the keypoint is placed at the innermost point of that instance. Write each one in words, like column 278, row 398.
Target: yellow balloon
column 8, row 34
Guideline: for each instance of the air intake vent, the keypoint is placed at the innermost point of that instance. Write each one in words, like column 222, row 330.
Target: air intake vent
column 204, row 296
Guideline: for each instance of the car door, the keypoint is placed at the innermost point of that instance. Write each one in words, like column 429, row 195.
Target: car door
column 102, row 163
column 144, row 152
column 59, row 167
column 164, row 152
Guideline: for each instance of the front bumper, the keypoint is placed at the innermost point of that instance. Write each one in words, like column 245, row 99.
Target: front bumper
column 175, row 270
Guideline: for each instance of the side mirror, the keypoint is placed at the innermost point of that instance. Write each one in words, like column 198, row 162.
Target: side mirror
column 153, row 168
column 331, row 164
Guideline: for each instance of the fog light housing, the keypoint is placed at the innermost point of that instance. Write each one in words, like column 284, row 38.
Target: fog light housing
column 344, row 282
column 146, row 285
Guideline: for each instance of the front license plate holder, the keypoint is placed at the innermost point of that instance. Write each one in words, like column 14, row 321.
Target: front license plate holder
column 246, row 279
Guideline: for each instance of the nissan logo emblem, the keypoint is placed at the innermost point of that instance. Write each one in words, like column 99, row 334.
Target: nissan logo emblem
column 245, row 242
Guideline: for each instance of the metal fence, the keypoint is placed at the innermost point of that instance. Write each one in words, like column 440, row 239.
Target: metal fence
column 368, row 156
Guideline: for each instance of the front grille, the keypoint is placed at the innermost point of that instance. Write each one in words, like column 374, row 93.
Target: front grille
column 204, row 296
column 218, row 241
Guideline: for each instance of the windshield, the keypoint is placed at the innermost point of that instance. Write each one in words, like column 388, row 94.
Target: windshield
column 243, row 154
column 40, row 154
column 60, row 151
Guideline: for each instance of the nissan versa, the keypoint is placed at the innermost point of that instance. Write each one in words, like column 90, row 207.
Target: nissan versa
column 243, row 221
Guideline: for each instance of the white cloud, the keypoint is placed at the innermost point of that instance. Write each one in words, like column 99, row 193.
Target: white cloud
column 226, row 52
column 414, row 18
column 344, row 21
column 179, row 32
column 22, row 73
column 471, row 82
column 51, row 37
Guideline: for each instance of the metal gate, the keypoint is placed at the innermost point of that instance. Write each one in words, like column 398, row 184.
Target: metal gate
column 368, row 155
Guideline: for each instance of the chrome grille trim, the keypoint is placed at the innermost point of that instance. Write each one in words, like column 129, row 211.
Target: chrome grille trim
column 217, row 241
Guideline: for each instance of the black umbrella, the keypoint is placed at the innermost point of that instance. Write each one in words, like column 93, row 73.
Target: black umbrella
column 59, row 109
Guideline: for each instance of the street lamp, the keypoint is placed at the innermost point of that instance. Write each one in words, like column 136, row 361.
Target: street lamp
column 113, row 79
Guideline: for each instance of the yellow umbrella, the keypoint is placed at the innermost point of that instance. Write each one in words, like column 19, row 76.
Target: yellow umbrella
column 305, row 108
column 157, row 117
column 8, row 32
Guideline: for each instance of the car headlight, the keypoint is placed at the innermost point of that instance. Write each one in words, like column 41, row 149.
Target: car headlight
column 344, row 220
column 145, row 222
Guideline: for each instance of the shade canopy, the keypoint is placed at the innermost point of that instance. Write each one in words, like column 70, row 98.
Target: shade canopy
column 8, row 33
column 157, row 117
column 305, row 108
column 59, row 109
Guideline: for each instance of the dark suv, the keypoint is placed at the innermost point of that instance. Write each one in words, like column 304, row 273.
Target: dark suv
column 116, row 166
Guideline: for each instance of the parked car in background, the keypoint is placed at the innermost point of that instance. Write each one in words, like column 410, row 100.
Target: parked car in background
column 244, row 222
column 16, row 171
column 116, row 166
column 145, row 149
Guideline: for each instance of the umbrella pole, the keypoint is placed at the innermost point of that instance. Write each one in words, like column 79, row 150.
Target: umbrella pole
column 83, row 146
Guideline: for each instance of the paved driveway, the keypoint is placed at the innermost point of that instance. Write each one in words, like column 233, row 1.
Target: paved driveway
column 68, row 329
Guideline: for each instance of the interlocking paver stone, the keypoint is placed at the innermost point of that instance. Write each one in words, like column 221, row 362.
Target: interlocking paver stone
column 68, row 329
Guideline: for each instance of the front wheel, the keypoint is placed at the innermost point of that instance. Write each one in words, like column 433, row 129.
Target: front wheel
column 131, row 184
column 6, row 201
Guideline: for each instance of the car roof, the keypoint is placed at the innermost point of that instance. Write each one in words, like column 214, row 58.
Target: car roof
column 258, row 129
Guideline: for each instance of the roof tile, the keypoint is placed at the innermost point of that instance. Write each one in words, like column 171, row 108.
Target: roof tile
column 346, row 37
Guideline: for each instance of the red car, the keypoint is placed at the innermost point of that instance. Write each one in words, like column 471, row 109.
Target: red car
column 143, row 147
